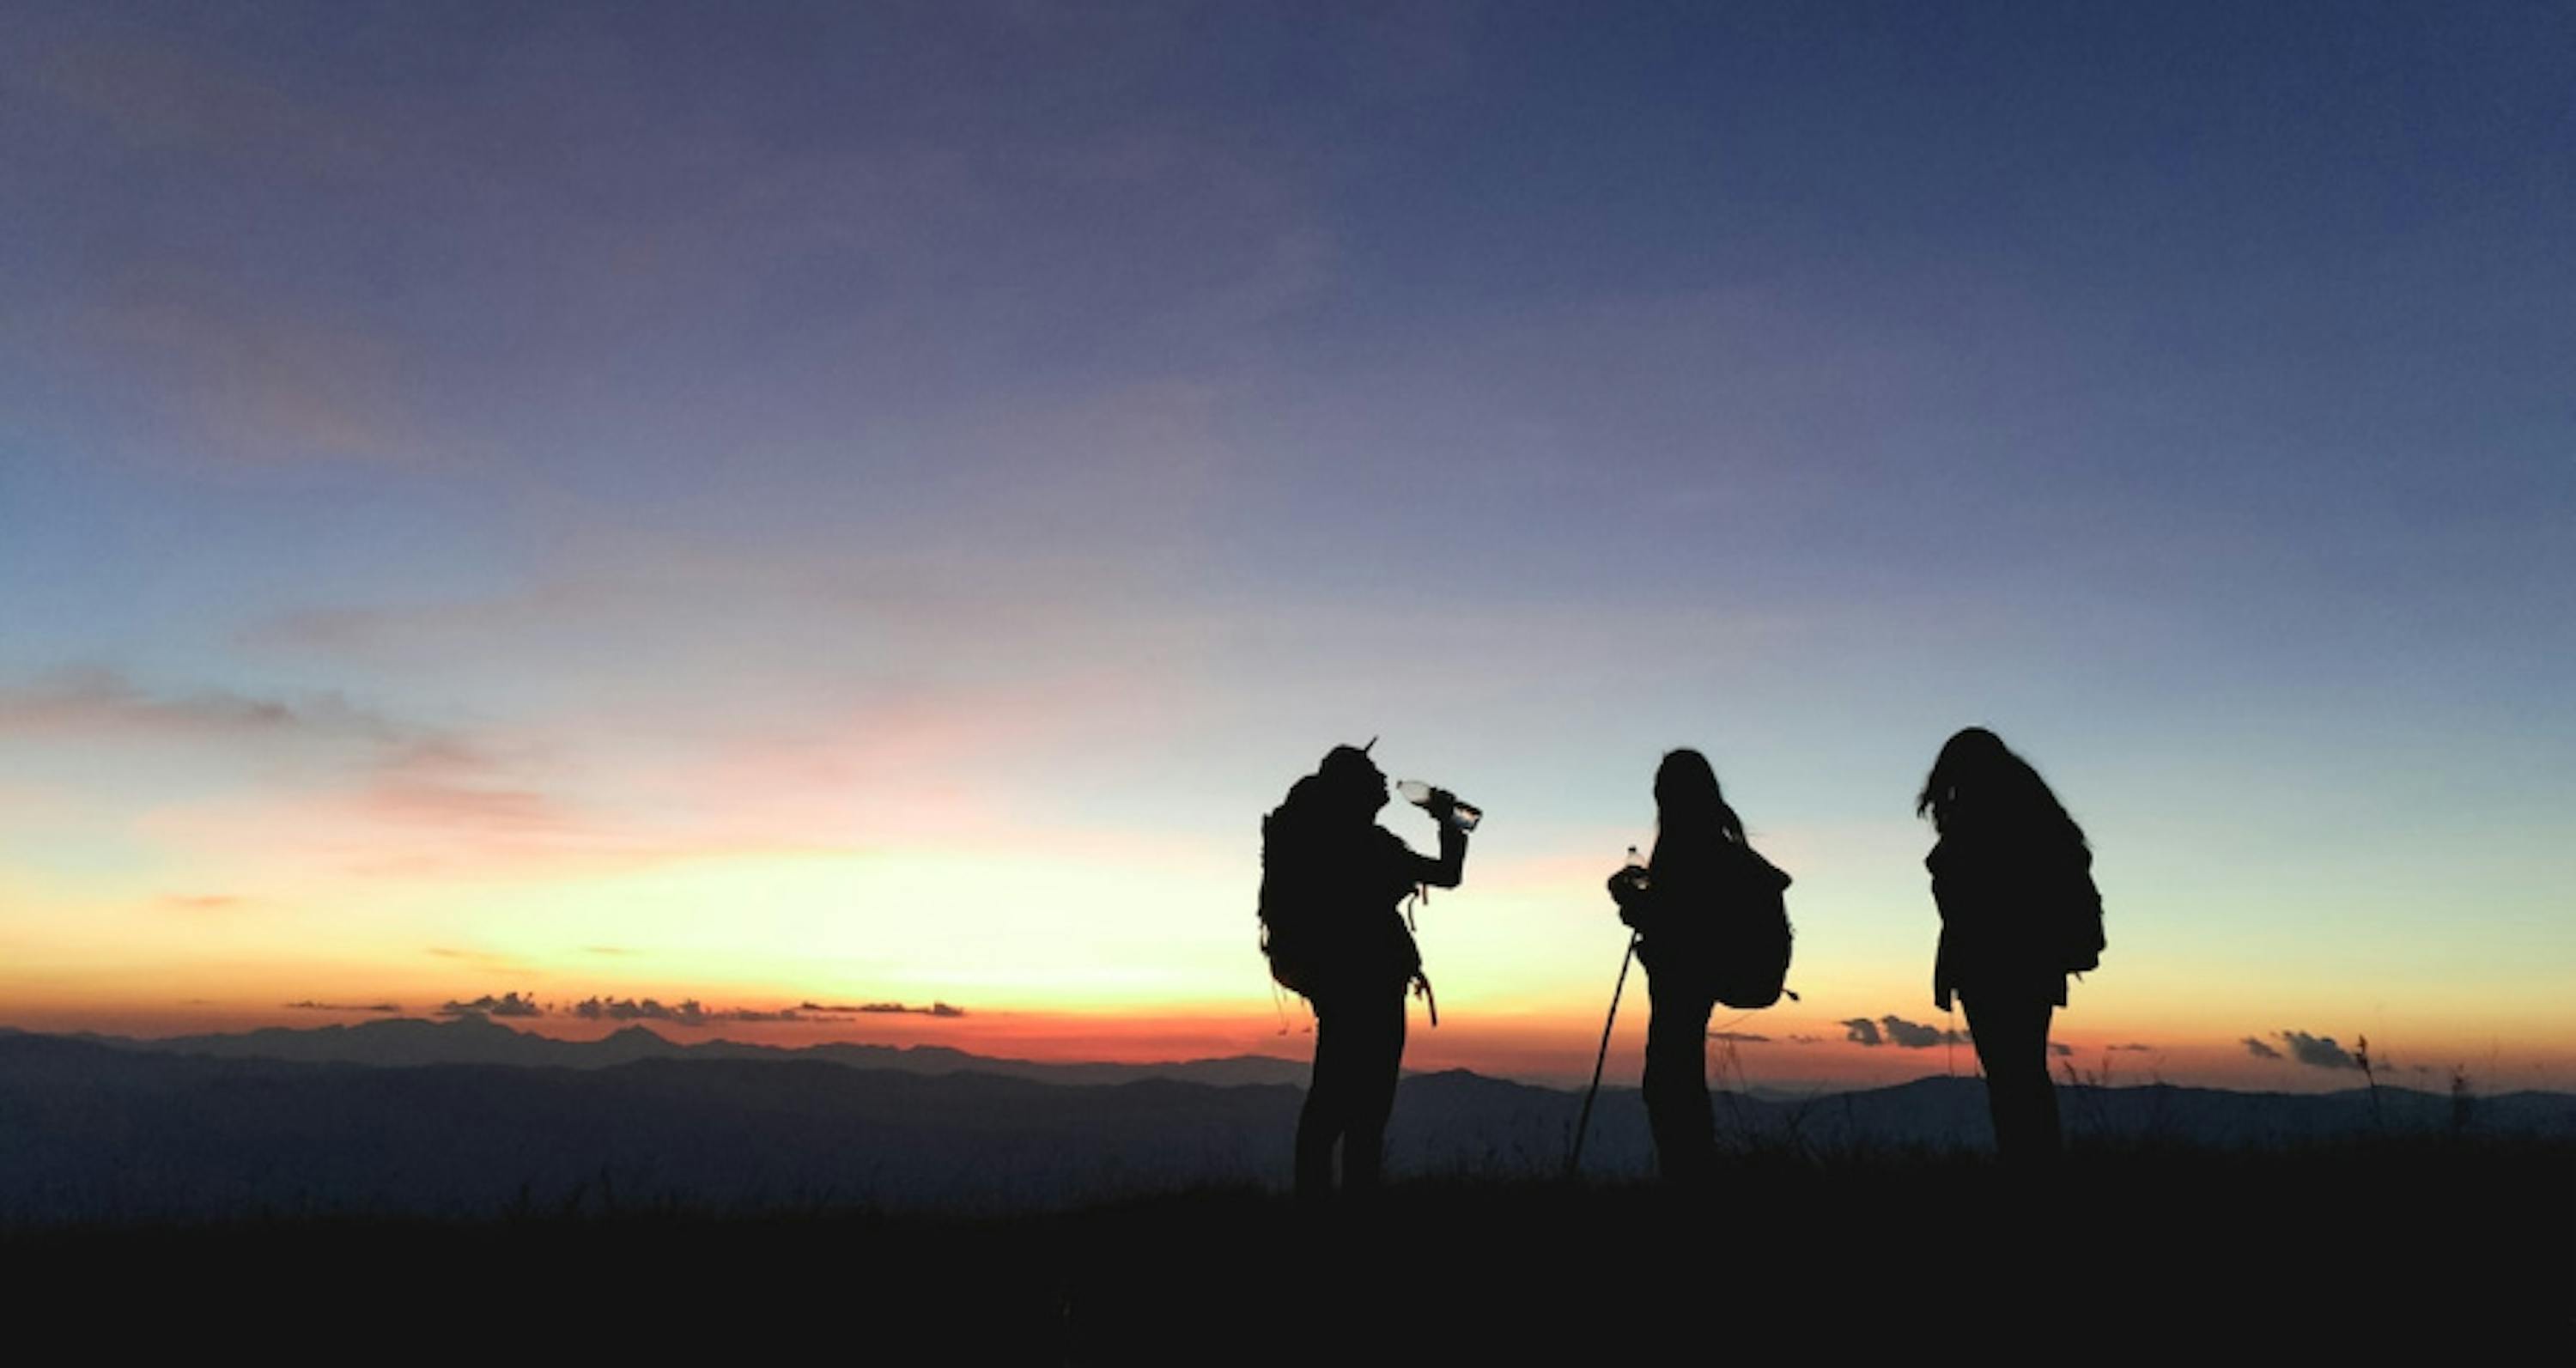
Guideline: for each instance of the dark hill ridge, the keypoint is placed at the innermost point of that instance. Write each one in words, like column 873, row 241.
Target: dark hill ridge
column 89, row 1131
column 476, row 1039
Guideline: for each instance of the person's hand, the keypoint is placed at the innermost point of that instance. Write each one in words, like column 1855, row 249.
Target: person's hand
column 1440, row 804
column 1628, row 889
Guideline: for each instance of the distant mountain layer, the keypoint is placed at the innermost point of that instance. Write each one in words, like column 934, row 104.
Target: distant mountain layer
column 92, row 1131
column 476, row 1039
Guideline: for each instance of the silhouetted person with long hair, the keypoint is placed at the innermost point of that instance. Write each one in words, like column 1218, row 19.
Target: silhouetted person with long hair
column 2013, row 878
column 1701, row 870
column 1331, row 882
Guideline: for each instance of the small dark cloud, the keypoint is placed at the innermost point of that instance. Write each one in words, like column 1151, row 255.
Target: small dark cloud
column 1740, row 1037
column 2133, row 1049
column 686, row 1012
column 936, row 1009
column 1916, row 1036
column 1861, row 1031
column 90, row 701
column 2060, row 1049
column 2254, row 1046
column 308, row 1005
column 2318, row 1051
column 506, row 1005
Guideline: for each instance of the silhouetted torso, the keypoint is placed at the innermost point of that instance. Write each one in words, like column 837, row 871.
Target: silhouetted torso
column 1350, row 876
column 2014, row 907
column 1691, row 885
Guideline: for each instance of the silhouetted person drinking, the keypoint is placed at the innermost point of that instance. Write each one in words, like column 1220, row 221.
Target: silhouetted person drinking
column 1701, row 880
column 2013, row 878
column 1330, row 884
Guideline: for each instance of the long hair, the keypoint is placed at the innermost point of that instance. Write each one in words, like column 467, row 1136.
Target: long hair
column 1689, row 806
column 1978, row 785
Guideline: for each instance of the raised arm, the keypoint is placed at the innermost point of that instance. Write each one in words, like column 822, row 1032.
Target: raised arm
column 1450, row 868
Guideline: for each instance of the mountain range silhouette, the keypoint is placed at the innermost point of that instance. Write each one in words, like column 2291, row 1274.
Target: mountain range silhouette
column 472, row 1038
column 472, row 1118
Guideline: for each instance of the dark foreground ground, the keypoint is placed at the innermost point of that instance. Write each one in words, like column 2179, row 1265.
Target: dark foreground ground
column 2380, row 1252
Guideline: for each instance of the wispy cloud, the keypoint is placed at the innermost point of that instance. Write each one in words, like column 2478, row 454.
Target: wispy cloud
column 381, row 1008
column 2317, row 1051
column 506, row 1005
column 447, row 798
column 408, row 776
column 936, row 1009
column 692, row 1012
column 253, row 378
column 1896, row 1030
column 687, row 1012
column 93, row 702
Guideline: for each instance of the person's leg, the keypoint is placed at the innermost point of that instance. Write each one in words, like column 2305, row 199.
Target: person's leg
column 1326, row 1115
column 1676, row 1082
column 2011, row 1036
column 2047, row 1141
column 1377, row 1057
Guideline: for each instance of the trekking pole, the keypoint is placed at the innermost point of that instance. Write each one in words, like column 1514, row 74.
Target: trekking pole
column 1574, row 1160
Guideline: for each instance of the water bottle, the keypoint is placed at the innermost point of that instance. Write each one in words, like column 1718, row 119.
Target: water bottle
column 1635, row 874
column 1461, row 815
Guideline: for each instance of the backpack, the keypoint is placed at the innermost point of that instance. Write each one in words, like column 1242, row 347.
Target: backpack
column 2082, row 940
column 1290, row 908
column 1749, row 945
column 1316, row 922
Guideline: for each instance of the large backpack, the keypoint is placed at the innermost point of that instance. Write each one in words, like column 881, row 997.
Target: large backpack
column 1749, row 945
column 1291, row 909
column 2081, row 939
column 1321, row 910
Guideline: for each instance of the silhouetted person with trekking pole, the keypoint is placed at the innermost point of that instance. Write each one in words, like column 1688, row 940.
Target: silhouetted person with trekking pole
column 1331, row 881
column 2013, row 878
column 1706, row 908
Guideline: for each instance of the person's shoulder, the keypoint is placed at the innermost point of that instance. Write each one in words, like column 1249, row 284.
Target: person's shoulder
column 1762, row 867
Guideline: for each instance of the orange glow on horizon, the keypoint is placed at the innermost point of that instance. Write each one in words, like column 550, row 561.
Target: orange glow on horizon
column 1555, row 1048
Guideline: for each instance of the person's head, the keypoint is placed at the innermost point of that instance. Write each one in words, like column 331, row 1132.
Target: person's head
column 1687, row 797
column 1978, row 783
column 1350, row 783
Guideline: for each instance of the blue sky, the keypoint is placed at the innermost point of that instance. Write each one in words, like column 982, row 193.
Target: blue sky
column 711, row 433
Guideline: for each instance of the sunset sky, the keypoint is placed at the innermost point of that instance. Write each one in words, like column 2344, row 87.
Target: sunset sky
column 868, row 504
